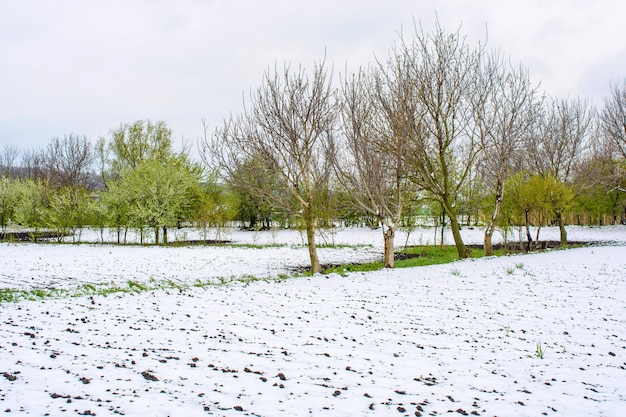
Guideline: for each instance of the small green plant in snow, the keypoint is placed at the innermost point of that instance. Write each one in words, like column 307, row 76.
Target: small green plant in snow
column 540, row 351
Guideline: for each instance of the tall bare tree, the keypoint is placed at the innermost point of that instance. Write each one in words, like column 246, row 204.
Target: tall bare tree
column 288, row 122
column 8, row 158
column 504, row 119
column 560, row 144
column 33, row 164
column 444, row 70
column 371, row 164
column 69, row 160
column 613, row 117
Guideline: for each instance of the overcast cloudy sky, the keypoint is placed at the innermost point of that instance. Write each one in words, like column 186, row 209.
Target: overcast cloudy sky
column 86, row 66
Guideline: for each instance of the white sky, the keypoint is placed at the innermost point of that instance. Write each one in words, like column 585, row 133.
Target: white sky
column 86, row 66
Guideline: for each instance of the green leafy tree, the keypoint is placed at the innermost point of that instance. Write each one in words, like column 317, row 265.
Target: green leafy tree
column 133, row 143
column 9, row 198
column 160, row 193
column 217, row 206
column 71, row 209
column 33, row 208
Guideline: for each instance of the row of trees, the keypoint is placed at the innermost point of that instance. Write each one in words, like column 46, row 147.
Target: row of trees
column 438, row 121
column 440, row 129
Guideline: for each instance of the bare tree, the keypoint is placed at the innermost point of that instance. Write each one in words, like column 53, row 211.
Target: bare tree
column 444, row 70
column 33, row 164
column 560, row 144
column 69, row 160
column 504, row 119
column 371, row 164
column 8, row 158
column 289, row 121
column 613, row 117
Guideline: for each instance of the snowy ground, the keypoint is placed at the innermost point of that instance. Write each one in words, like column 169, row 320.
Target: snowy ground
column 458, row 338
column 24, row 266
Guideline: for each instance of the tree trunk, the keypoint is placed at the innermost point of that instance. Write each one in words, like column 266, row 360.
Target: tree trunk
column 389, row 250
column 458, row 240
column 443, row 229
column 559, row 219
column 165, row 235
column 491, row 227
column 492, row 221
column 310, row 237
column 537, row 237
column 488, row 247
column 528, row 235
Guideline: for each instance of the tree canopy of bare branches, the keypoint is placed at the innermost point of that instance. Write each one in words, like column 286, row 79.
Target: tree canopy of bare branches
column 69, row 160
column 372, row 163
column 286, row 126
column 560, row 144
column 443, row 69
column 613, row 117
column 504, row 118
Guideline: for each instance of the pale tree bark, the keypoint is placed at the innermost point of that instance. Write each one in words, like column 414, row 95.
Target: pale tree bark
column 287, row 126
column 444, row 71
column 504, row 120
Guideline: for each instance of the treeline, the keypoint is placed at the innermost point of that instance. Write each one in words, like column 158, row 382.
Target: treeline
column 441, row 129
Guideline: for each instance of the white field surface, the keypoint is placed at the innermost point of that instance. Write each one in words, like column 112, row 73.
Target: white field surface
column 459, row 338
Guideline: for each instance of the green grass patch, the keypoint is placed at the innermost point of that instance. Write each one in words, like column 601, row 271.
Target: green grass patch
column 411, row 257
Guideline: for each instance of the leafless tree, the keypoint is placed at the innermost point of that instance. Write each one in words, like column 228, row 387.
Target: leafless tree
column 8, row 158
column 561, row 143
column 613, row 117
column 287, row 125
column 444, row 71
column 504, row 117
column 69, row 160
column 33, row 164
column 371, row 162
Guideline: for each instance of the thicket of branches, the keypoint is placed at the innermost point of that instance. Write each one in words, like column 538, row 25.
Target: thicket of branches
column 441, row 132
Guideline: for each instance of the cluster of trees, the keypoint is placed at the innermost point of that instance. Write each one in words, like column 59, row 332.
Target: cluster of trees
column 441, row 129
column 142, row 183
column 439, row 124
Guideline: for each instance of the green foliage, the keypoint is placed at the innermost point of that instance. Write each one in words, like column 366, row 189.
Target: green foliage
column 71, row 208
column 540, row 350
column 255, row 188
column 133, row 143
column 541, row 196
column 156, row 194
column 9, row 197
column 32, row 209
column 217, row 205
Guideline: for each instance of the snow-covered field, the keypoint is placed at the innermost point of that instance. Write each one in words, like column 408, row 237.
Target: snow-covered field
column 24, row 266
column 459, row 338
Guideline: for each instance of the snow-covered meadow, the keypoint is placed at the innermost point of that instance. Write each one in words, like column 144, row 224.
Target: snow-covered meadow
column 460, row 338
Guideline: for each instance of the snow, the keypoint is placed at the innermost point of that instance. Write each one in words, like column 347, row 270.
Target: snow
column 460, row 337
